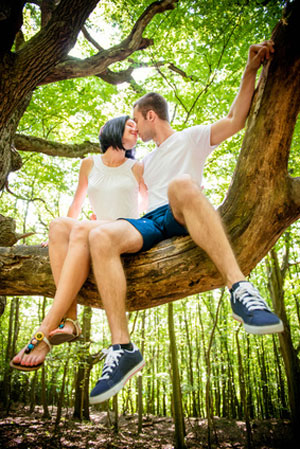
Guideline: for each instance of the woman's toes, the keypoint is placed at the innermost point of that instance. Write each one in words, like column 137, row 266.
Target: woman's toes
column 36, row 356
column 17, row 358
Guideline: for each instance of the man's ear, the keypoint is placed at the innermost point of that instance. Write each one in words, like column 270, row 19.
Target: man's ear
column 151, row 115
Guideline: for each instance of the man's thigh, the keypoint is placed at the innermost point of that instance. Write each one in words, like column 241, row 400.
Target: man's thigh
column 125, row 237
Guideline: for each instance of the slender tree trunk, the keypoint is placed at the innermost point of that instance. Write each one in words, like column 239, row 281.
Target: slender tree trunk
column 10, row 348
column 32, row 392
column 243, row 391
column 265, row 382
column 81, row 404
column 140, row 378
column 283, row 411
column 46, row 413
column 208, row 395
column 62, row 391
column 178, row 412
column 116, row 414
column 2, row 304
column 190, row 364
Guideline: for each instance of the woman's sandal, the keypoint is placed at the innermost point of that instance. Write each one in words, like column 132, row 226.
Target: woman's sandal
column 63, row 337
column 36, row 339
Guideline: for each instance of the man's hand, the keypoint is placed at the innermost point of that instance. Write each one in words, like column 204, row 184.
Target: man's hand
column 258, row 53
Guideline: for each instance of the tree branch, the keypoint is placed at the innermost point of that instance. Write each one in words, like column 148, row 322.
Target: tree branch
column 97, row 64
column 38, row 145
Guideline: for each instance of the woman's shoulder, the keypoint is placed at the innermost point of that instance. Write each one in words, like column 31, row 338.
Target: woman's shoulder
column 87, row 164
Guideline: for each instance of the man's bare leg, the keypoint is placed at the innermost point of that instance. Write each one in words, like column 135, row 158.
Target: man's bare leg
column 123, row 358
column 107, row 243
column 191, row 208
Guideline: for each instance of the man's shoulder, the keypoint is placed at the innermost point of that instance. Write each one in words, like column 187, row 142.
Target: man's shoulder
column 195, row 128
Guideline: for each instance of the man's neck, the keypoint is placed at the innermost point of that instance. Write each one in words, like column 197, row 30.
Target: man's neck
column 163, row 132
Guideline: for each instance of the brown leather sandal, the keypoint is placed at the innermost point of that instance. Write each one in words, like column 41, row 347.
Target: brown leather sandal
column 63, row 337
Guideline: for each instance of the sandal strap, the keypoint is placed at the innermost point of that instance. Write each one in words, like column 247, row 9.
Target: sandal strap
column 62, row 323
column 75, row 324
column 36, row 339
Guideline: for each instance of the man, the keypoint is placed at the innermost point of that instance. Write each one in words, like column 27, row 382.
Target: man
column 177, row 206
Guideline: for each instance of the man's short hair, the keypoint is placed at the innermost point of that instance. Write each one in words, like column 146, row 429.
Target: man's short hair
column 155, row 102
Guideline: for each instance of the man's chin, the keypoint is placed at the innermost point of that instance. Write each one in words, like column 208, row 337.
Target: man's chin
column 145, row 139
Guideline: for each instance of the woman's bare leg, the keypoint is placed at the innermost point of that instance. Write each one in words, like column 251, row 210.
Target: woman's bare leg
column 59, row 237
column 73, row 274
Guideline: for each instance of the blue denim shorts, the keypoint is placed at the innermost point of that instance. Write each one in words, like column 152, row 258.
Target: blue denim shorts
column 156, row 226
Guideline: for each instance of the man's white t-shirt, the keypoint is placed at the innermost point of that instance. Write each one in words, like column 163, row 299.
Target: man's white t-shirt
column 184, row 152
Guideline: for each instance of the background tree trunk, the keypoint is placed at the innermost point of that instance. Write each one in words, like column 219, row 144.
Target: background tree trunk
column 177, row 401
column 289, row 353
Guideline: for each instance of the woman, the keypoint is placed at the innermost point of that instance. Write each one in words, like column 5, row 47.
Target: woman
column 113, row 181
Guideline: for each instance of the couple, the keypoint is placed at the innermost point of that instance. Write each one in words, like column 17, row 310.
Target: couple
column 172, row 175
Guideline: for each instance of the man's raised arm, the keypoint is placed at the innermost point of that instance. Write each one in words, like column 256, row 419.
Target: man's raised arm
column 236, row 118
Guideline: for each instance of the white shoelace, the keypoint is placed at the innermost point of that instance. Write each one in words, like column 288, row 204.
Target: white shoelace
column 112, row 359
column 250, row 297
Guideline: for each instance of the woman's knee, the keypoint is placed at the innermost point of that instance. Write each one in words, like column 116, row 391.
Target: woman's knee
column 59, row 228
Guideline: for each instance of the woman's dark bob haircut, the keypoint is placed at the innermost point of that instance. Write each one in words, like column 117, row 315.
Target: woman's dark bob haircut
column 111, row 135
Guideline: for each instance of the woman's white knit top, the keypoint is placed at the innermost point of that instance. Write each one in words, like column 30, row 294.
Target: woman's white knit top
column 113, row 191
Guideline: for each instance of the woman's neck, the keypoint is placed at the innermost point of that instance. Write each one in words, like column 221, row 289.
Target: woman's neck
column 113, row 158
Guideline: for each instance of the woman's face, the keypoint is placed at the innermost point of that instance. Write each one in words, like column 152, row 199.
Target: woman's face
column 130, row 135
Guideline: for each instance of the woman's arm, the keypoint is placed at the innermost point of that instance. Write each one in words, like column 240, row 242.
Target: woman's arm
column 138, row 171
column 81, row 190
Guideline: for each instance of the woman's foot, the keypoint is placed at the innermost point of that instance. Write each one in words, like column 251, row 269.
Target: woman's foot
column 33, row 355
column 67, row 331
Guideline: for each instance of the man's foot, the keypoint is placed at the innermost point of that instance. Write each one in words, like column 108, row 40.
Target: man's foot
column 120, row 364
column 249, row 308
column 67, row 331
column 33, row 355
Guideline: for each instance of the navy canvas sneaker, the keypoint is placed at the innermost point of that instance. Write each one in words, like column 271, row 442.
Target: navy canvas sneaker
column 249, row 308
column 120, row 364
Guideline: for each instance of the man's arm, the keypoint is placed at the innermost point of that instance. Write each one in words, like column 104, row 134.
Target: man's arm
column 236, row 118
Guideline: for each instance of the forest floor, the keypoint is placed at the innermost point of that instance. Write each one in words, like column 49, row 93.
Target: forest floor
column 25, row 431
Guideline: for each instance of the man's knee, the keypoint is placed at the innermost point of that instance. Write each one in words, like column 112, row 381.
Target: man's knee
column 183, row 189
column 101, row 240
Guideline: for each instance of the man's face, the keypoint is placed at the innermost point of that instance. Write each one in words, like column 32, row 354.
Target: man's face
column 144, row 126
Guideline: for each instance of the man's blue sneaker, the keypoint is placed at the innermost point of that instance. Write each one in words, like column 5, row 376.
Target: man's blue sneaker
column 249, row 308
column 120, row 364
